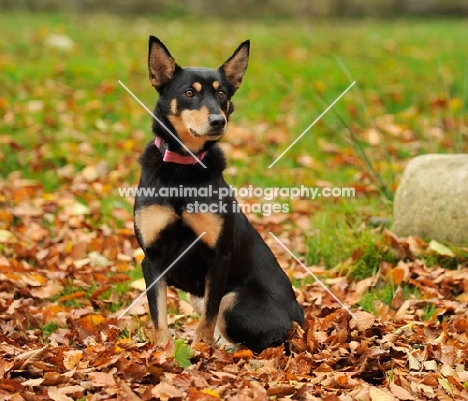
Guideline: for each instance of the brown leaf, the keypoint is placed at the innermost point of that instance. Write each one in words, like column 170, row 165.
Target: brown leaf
column 280, row 389
column 56, row 379
column 344, row 380
column 400, row 392
column 72, row 296
column 362, row 320
column 26, row 358
column 71, row 389
column 243, row 354
column 102, row 378
column 380, row 394
column 126, row 392
column 32, row 382
column 72, row 358
column 400, row 273
column 398, row 299
column 165, row 392
column 197, row 395
column 55, row 395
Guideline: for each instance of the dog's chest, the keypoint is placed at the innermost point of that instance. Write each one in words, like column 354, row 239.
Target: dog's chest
column 152, row 220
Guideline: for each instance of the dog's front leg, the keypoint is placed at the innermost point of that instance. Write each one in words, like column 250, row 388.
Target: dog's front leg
column 215, row 284
column 157, row 300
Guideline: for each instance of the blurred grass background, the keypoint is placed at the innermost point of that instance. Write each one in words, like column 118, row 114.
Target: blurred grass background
column 61, row 104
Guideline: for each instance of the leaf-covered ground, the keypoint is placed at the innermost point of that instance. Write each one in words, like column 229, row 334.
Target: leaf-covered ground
column 61, row 338
column 69, row 262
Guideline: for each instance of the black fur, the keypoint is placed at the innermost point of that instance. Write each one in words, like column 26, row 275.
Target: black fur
column 239, row 263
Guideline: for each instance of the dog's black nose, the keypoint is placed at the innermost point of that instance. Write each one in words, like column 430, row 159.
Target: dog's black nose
column 217, row 120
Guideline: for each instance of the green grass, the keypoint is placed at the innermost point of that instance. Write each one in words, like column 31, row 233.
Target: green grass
column 385, row 295
column 343, row 239
column 49, row 329
column 121, row 288
column 65, row 108
column 429, row 311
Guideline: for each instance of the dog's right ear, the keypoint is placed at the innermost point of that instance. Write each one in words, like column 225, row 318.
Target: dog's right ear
column 161, row 65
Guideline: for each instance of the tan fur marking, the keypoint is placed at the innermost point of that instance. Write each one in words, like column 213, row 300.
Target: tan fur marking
column 193, row 143
column 226, row 303
column 205, row 332
column 205, row 329
column 197, row 86
column 216, row 85
column 151, row 220
column 162, row 334
column 193, row 120
column 197, row 120
column 174, row 106
column 209, row 223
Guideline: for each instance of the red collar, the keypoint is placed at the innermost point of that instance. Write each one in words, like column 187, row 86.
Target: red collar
column 173, row 157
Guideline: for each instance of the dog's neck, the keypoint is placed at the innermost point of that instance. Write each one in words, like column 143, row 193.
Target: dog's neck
column 170, row 156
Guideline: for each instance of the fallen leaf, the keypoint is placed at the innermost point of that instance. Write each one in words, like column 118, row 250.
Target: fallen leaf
column 166, row 392
column 102, row 378
column 27, row 358
column 362, row 320
column 72, row 358
column 414, row 364
column 400, row 393
column 380, row 394
column 55, row 395
column 441, row 249
column 32, row 382
column 139, row 284
column 7, row 236
column 182, row 353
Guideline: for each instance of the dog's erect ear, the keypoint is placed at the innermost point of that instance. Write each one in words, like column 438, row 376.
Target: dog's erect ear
column 161, row 64
column 234, row 68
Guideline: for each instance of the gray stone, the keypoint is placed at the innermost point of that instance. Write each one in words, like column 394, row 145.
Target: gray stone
column 431, row 201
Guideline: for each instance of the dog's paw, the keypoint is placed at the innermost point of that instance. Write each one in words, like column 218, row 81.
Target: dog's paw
column 202, row 336
column 162, row 337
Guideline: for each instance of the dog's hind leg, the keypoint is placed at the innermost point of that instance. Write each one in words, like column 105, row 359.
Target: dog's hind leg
column 215, row 283
column 209, row 315
column 197, row 304
column 252, row 318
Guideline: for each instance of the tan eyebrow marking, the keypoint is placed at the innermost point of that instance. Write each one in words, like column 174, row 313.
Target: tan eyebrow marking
column 216, row 85
column 197, row 86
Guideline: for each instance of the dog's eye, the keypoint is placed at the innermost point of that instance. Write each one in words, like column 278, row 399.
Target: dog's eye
column 221, row 94
column 189, row 93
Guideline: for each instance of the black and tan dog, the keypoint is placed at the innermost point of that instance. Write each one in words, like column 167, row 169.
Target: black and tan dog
column 244, row 289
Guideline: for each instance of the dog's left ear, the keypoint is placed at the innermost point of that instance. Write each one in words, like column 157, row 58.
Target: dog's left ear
column 234, row 68
column 161, row 65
